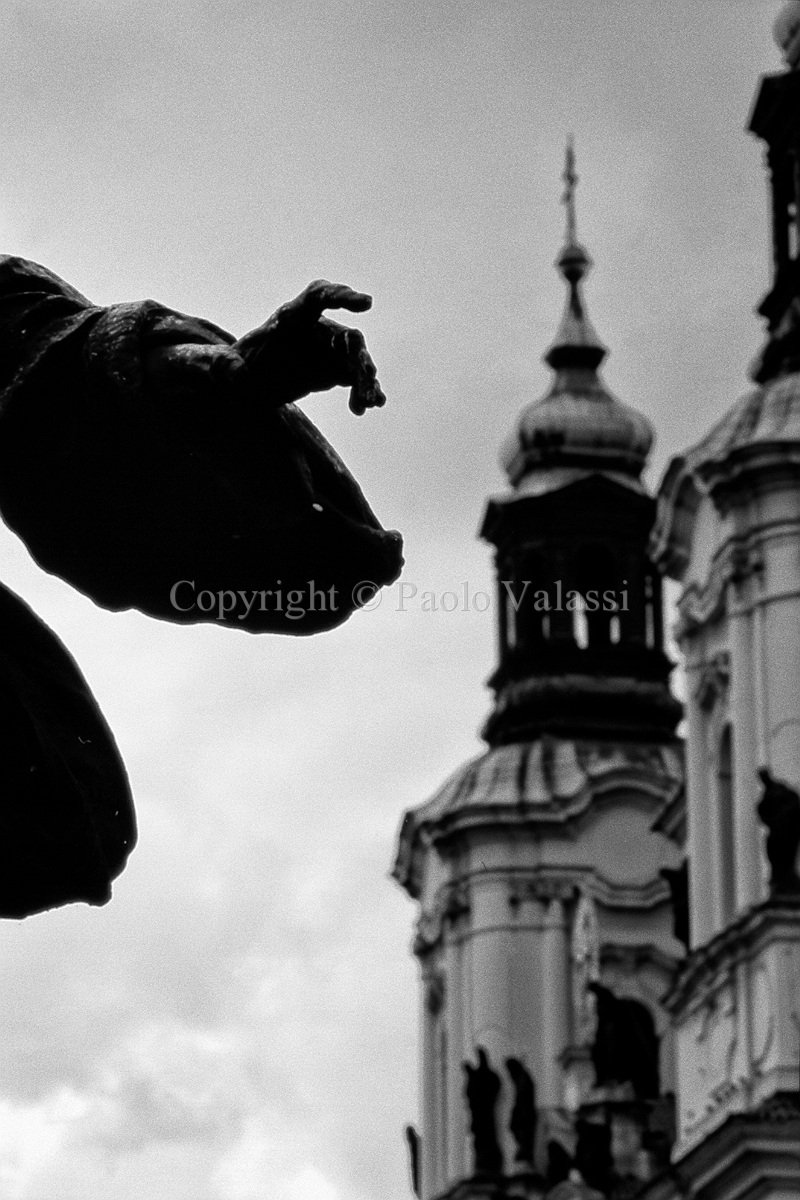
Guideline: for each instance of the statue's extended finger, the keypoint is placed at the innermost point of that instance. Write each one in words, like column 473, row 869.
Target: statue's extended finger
column 321, row 295
column 365, row 390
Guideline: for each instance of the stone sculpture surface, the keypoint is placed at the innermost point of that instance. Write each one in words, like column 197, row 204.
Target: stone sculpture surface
column 625, row 1048
column 154, row 461
column 482, row 1091
column 779, row 810
column 523, row 1113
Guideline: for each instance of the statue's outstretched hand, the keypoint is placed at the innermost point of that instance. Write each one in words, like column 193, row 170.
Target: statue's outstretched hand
column 297, row 350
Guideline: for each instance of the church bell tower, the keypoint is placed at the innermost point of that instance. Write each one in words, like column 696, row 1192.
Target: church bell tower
column 579, row 600
column 545, row 869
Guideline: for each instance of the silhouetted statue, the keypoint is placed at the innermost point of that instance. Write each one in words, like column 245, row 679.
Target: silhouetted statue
column 625, row 1048
column 523, row 1114
column 559, row 1163
column 482, row 1090
column 593, row 1154
column 678, row 882
column 67, row 823
column 779, row 809
column 148, row 457
column 155, row 462
column 414, row 1145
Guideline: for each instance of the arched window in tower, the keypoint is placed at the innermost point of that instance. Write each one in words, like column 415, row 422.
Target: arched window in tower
column 508, row 617
column 649, row 613
column 532, row 600
column 595, row 623
column 580, row 625
column 726, row 826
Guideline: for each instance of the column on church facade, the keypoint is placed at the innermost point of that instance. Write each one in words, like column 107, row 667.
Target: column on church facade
column 491, row 939
column 556, row 1003
column 457, row 1149
column 492, row 946
column 745, row 674
column 699, row 809
column 780, row 606
column 431, row 1126
column 528, row 990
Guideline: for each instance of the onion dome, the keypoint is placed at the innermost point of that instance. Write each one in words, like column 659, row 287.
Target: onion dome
column 578, row 425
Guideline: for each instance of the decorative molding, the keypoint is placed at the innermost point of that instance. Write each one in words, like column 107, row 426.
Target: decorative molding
column 585, row 961
column 777, row 918
column 628, row 959
column 714, row 680
column 700, row 603
column 450, row 906
column 763, row 1015
column 776, row 1109
column 435, row 993
column 543, row 883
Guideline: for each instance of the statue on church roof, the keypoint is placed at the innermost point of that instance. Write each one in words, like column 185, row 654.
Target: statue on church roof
column 779, row 810
column 593, row 1158
column 154, row 461
column 523, row 1114
column 482, row 1091
column 413, row 1142
column 625, row 1048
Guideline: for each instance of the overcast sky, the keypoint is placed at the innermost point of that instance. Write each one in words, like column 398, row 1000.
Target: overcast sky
column 240, row 1021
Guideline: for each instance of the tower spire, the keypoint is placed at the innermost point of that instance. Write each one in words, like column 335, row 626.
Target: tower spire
column 576, row 343
column 570, row 178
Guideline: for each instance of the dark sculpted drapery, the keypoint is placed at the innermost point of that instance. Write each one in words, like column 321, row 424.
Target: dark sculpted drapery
column 145, row 496
column 154, row 462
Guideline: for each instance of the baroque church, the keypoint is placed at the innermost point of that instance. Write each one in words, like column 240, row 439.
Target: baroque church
column 608, row 928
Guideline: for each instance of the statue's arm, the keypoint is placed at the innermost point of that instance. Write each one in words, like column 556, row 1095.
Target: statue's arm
column 295, row 352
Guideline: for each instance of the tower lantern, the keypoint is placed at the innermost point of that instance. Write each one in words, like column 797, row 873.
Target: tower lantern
column 579, row 601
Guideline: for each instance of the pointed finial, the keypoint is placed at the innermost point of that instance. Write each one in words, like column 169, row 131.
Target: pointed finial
column 570, row 178
column 576, row 342
column 573, row 262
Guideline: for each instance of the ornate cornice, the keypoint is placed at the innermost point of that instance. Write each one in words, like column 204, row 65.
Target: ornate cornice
column 778, row 917
column 452, row 904
column 630, row 958
column 701, row 603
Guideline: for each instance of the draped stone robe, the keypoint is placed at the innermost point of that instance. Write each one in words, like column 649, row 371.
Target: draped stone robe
column 125, row 495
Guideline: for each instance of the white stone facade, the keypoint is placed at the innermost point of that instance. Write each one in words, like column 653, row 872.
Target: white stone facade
column 531, row 871
column 729, row 531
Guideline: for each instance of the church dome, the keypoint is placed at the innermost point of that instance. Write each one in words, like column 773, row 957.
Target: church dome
column 578, row 425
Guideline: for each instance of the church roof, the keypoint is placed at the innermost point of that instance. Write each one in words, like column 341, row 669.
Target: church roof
column 552, row 777
column 761, row 429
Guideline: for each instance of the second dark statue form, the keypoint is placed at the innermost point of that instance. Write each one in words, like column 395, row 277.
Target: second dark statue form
column 154, row 461
column 523, row 1113
column 779, row 810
